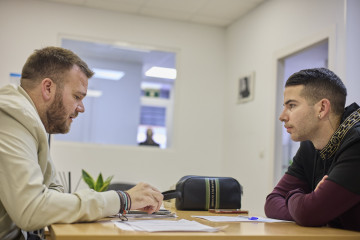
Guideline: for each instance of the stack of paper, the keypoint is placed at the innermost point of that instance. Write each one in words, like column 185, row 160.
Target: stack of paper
column 162, row 213
column 164, row 226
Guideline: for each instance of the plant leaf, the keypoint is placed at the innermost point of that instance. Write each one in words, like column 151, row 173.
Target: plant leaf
column 108, row 180
column 104, row 187
column 88, row 179
column 106, row 184
column 99, row 183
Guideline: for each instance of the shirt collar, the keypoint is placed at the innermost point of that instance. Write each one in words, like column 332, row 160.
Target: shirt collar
column 348, row 122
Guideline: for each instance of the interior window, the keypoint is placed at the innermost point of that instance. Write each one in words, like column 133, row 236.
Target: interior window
column 130, row 95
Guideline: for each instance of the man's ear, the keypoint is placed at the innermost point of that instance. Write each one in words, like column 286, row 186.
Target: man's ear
column 324, row 107
column 48, row 89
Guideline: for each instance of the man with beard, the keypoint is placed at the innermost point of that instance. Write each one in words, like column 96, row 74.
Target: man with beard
column 322, row 185
column 53, row 85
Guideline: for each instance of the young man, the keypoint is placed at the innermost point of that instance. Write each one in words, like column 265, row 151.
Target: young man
column 54, row 83
column 322, row 185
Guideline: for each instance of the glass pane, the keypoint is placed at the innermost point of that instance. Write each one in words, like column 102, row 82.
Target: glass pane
column 120, row 110
column 312, row 57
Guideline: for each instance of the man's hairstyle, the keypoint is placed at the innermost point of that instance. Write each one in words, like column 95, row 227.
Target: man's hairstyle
column 53, row 63
column 320, row 83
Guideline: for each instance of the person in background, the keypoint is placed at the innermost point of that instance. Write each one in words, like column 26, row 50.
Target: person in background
column 322, row 185
column 53, row 85
column 149, row 139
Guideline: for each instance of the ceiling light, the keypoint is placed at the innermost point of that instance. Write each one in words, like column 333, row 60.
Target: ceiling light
column 93, row 93
column 131, row 47
column 147, row 85
column 108, row 74
column 160, row 72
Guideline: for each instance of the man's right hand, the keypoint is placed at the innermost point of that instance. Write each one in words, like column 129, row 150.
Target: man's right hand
column 321, row 182
column 145, row 197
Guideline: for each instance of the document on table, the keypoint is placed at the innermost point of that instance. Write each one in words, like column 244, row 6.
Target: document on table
column 162, row 213
column 239, row 219
column 165, row 226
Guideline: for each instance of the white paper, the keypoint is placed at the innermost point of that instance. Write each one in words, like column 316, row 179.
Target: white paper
column 137, row 215
column 164, row 226
column 162, row 213
column 238, row 219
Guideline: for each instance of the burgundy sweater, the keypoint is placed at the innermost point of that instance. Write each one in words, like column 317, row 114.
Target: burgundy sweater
column 331, row 204
column 337, row 200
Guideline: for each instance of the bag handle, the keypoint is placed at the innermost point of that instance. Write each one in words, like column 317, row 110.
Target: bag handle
column 170, row 194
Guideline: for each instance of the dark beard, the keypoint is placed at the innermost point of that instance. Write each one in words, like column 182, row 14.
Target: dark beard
column 56, row 116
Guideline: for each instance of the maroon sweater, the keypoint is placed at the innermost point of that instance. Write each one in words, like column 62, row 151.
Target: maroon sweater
column 337, row 200
column 331, row 204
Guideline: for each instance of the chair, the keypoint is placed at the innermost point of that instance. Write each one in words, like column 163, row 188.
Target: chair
column 120, row 186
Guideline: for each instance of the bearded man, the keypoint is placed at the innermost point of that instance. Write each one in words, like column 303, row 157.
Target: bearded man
column 54, row 82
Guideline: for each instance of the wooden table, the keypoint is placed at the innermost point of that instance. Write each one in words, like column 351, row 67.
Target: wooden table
column 105, row 229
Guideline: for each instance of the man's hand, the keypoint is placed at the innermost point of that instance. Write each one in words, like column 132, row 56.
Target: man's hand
column 321, row 182
column 145, row 197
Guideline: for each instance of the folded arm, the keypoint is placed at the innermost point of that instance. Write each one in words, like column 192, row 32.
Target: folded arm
column 275, row 205
column 329, row 201
column 291, row 199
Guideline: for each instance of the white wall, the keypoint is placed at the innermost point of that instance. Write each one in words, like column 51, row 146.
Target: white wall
column 252, row 44
column 198, row 121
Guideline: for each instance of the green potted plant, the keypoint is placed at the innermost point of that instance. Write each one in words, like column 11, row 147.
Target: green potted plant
column 99, row 185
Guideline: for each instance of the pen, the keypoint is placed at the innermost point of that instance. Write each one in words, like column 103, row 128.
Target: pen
column 253, row 218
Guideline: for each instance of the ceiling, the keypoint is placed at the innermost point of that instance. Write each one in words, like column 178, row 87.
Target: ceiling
column 219, row 13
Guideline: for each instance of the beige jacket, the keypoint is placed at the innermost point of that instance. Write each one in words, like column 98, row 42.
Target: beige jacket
column 30, row 195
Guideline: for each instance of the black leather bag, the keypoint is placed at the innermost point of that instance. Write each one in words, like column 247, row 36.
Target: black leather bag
column 203, row 193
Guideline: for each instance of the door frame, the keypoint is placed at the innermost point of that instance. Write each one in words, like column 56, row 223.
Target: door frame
column 279, row 57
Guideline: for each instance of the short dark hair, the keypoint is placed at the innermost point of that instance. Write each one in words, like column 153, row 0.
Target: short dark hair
column 51, row 62
column 320, row 83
